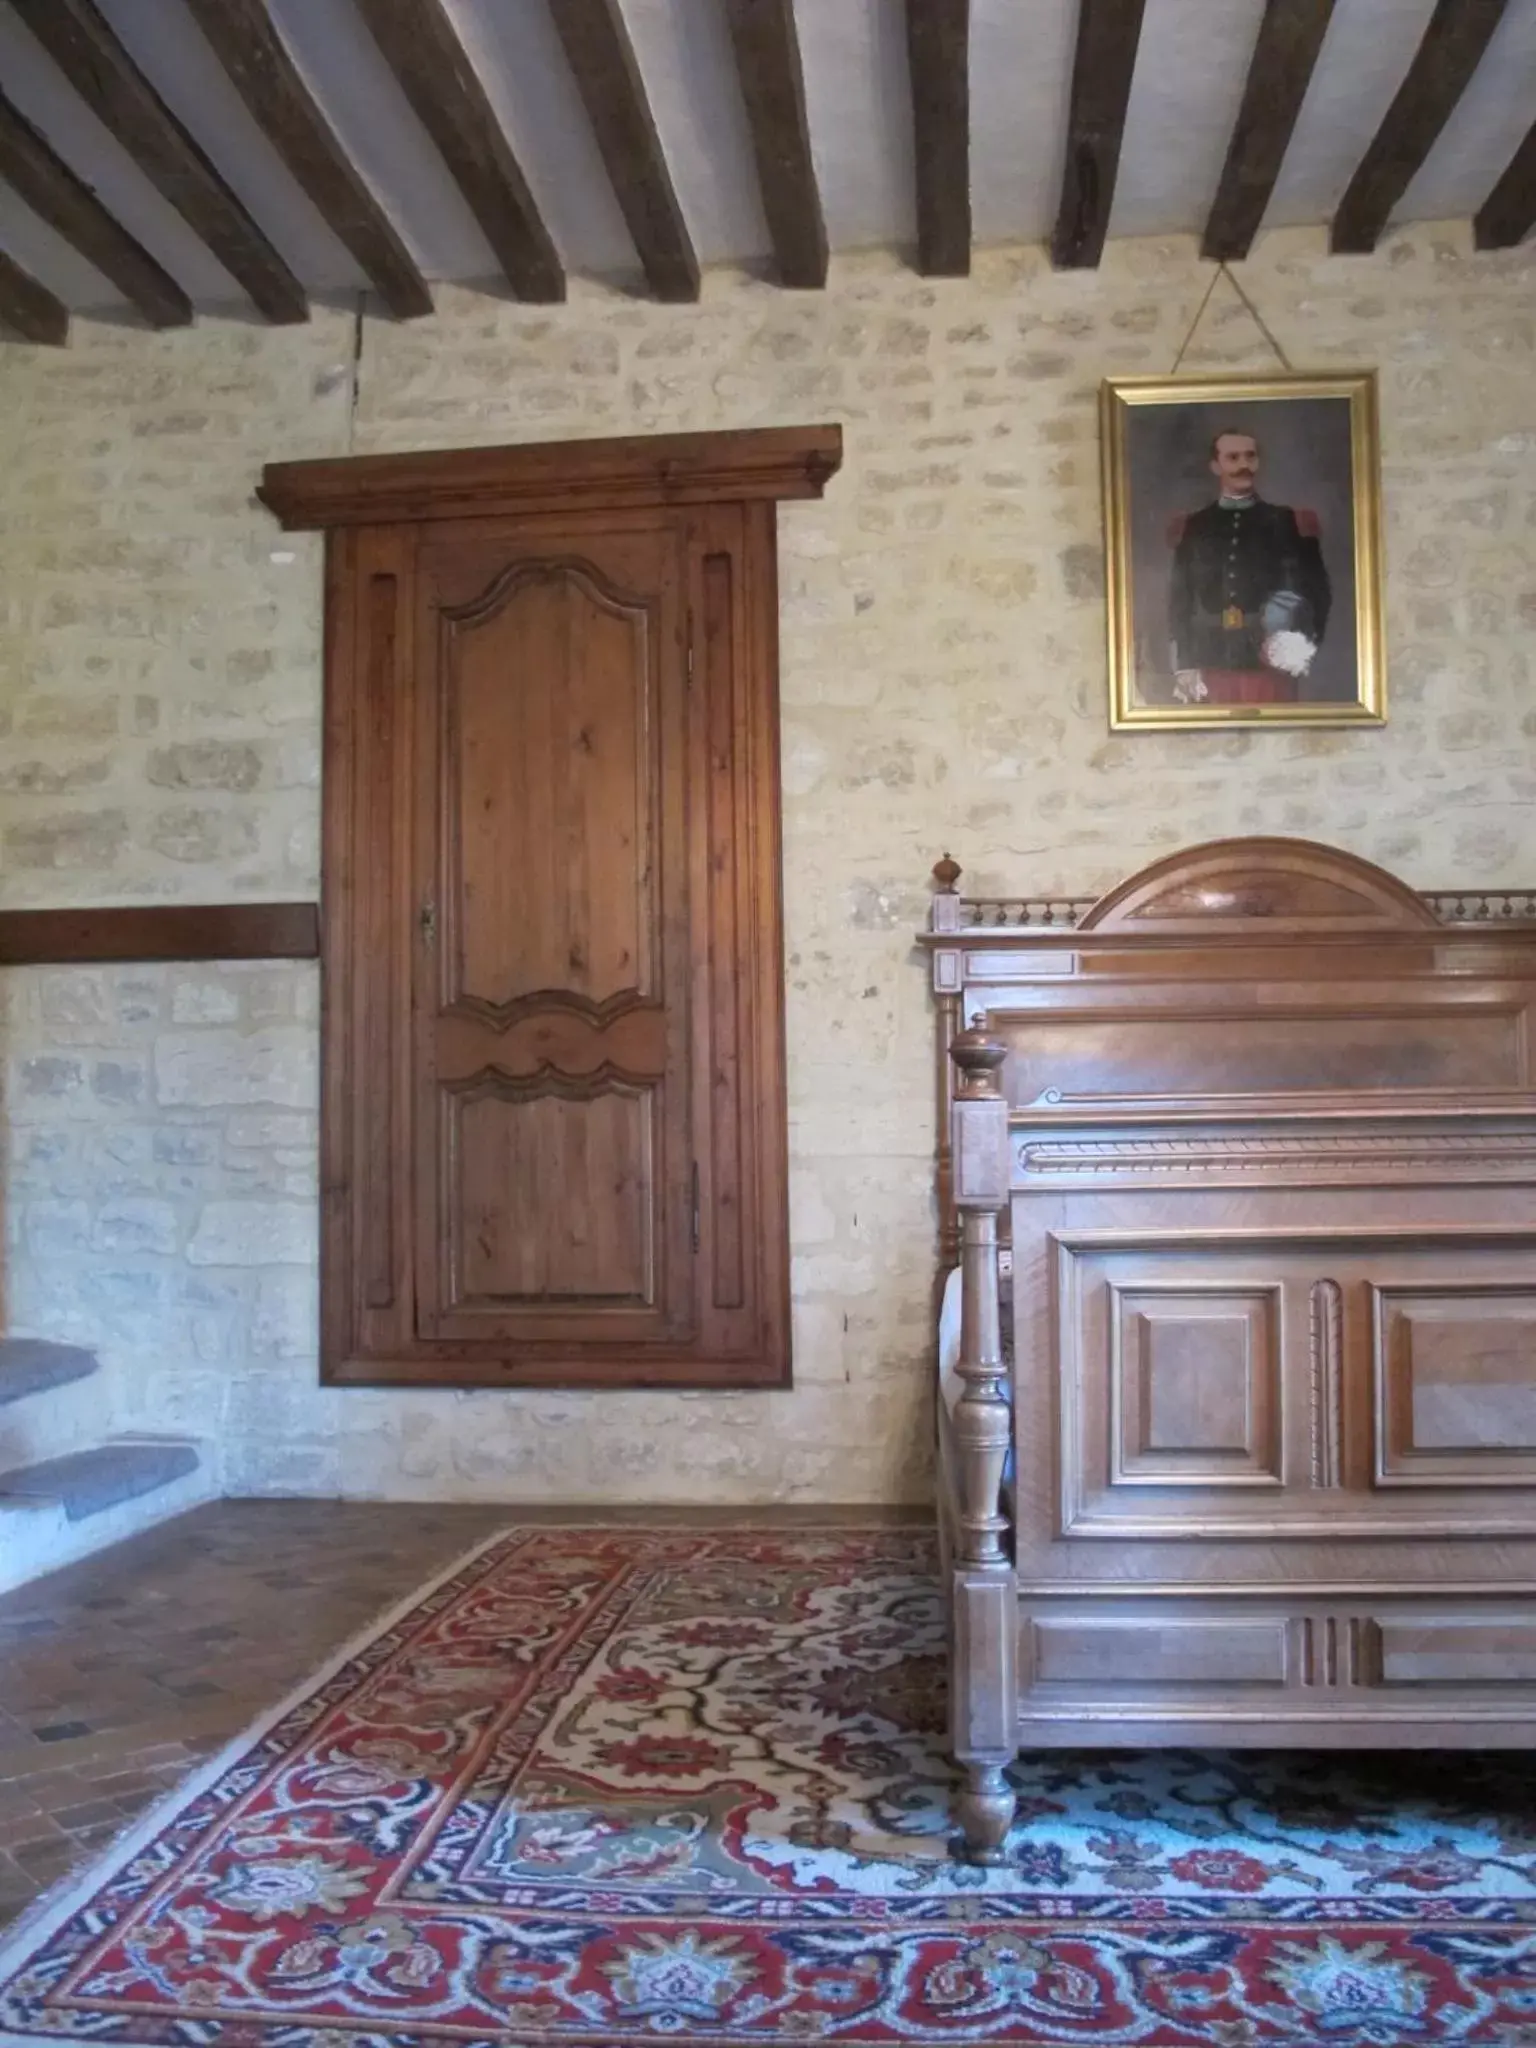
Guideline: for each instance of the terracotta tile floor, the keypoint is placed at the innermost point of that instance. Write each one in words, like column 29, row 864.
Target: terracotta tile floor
column 118, row 1674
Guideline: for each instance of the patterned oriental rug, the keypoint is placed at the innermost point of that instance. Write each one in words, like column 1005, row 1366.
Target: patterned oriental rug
column 624, row 1785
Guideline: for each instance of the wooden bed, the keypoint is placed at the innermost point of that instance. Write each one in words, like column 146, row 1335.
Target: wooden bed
column 1259, row 1130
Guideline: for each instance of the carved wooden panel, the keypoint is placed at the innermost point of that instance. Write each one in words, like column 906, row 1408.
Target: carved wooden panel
column 1159, row 1648
column 1166, row 1046
column 1195, row 1385
column 1476, row 1647
column 1172, row 1386
column 554, row 1125
column 549, row 1195
column 1454, row 1373
column 1301, row 1382
column 551, row 681
column 553, row 973
column 1292, row 1665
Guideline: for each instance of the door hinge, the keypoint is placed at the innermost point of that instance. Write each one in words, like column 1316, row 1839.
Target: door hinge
column 690, row 657
column 695, row 1224
column 429, row 922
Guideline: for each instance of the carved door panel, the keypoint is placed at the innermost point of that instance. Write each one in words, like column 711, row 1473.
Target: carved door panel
column 554, row 1162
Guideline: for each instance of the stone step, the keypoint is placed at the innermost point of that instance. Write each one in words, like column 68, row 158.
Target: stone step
column 85, row 1483
column 31, row 1365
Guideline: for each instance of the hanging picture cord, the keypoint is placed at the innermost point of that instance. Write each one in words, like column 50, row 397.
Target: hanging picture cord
column 355, row 386
column 1221, row 271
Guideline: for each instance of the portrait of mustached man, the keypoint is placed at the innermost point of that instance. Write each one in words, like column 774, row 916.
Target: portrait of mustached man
column 1242, row 519
column 1249, row 595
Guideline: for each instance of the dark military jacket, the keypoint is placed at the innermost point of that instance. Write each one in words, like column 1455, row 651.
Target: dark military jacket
column 1230, row 562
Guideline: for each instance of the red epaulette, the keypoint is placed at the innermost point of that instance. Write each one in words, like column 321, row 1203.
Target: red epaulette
column 1176, row 526
column 1308, row 525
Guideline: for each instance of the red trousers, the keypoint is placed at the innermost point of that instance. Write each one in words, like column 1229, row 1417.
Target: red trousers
column 1248, row 686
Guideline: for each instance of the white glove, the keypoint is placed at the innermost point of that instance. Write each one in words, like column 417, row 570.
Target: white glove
column 1290, row 652
column 1189, row 687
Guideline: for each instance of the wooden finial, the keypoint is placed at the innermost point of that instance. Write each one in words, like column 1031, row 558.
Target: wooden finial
column 946, row 873
column 978, row 1057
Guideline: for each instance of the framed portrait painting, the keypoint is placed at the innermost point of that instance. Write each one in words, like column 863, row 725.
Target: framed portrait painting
column 1243, row 548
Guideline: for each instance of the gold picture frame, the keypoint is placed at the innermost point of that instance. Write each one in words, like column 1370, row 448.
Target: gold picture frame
column 1227, row 607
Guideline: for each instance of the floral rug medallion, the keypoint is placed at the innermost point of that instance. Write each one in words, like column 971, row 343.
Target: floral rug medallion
column 623, row 1785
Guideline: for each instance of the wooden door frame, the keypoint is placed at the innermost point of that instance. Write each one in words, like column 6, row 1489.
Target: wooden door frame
column 372, row 509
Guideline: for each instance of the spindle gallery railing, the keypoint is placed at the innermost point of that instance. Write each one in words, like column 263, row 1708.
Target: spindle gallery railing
column 1066, row 913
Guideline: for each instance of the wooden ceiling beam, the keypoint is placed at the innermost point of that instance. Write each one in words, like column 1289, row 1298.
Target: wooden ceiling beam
column 29, row 308
column 1508, row 214
column 422, row 48
column 77, row 38
column 31, row 167
column 1284, row 57
column 1449, row 52
column 767, row 48
column 244, row 38
column 600, row 54
column 938, row 59
column 1108, row 32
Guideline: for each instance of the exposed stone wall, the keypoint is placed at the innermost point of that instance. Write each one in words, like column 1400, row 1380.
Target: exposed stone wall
column 943, row 682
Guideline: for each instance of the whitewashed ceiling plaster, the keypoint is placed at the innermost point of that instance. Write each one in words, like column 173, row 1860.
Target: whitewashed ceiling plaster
column 1191, row 67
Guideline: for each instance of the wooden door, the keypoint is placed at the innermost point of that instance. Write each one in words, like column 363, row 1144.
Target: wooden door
column 550, row 1042
column 553, row 1142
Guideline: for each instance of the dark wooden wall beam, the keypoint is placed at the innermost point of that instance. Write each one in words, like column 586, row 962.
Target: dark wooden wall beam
column 422, row 48
column 244, row 38
column 938, row 58
column 1108, row 32
column 30, row 166
column 1449, row 52
column 1290, row 36
column 1508, row 214
column 79, row 41
column 767, row 49
column 160, row 931
column 599, row 52
column 29, row 308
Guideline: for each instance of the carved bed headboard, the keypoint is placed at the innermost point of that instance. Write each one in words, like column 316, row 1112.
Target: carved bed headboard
column 1260, row 974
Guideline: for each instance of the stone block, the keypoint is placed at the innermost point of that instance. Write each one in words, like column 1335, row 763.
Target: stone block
column 286, row 1323
column 254, row 1234
column 271, row 1128
column 88, row 841
column 202, row 837
column 118, row 1081
column 178, row 1145
column 53, row 778
column 58, row 1225
column 115, row 1292
column 76, row 1000
column 203, row 1000
column 138, row 1225
column 212, row 1069
column 206, row 764
column 73, row 717
column 52, row 1074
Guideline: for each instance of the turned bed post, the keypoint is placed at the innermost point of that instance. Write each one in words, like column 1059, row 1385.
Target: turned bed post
column 983, row 1595
column 946, row 915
